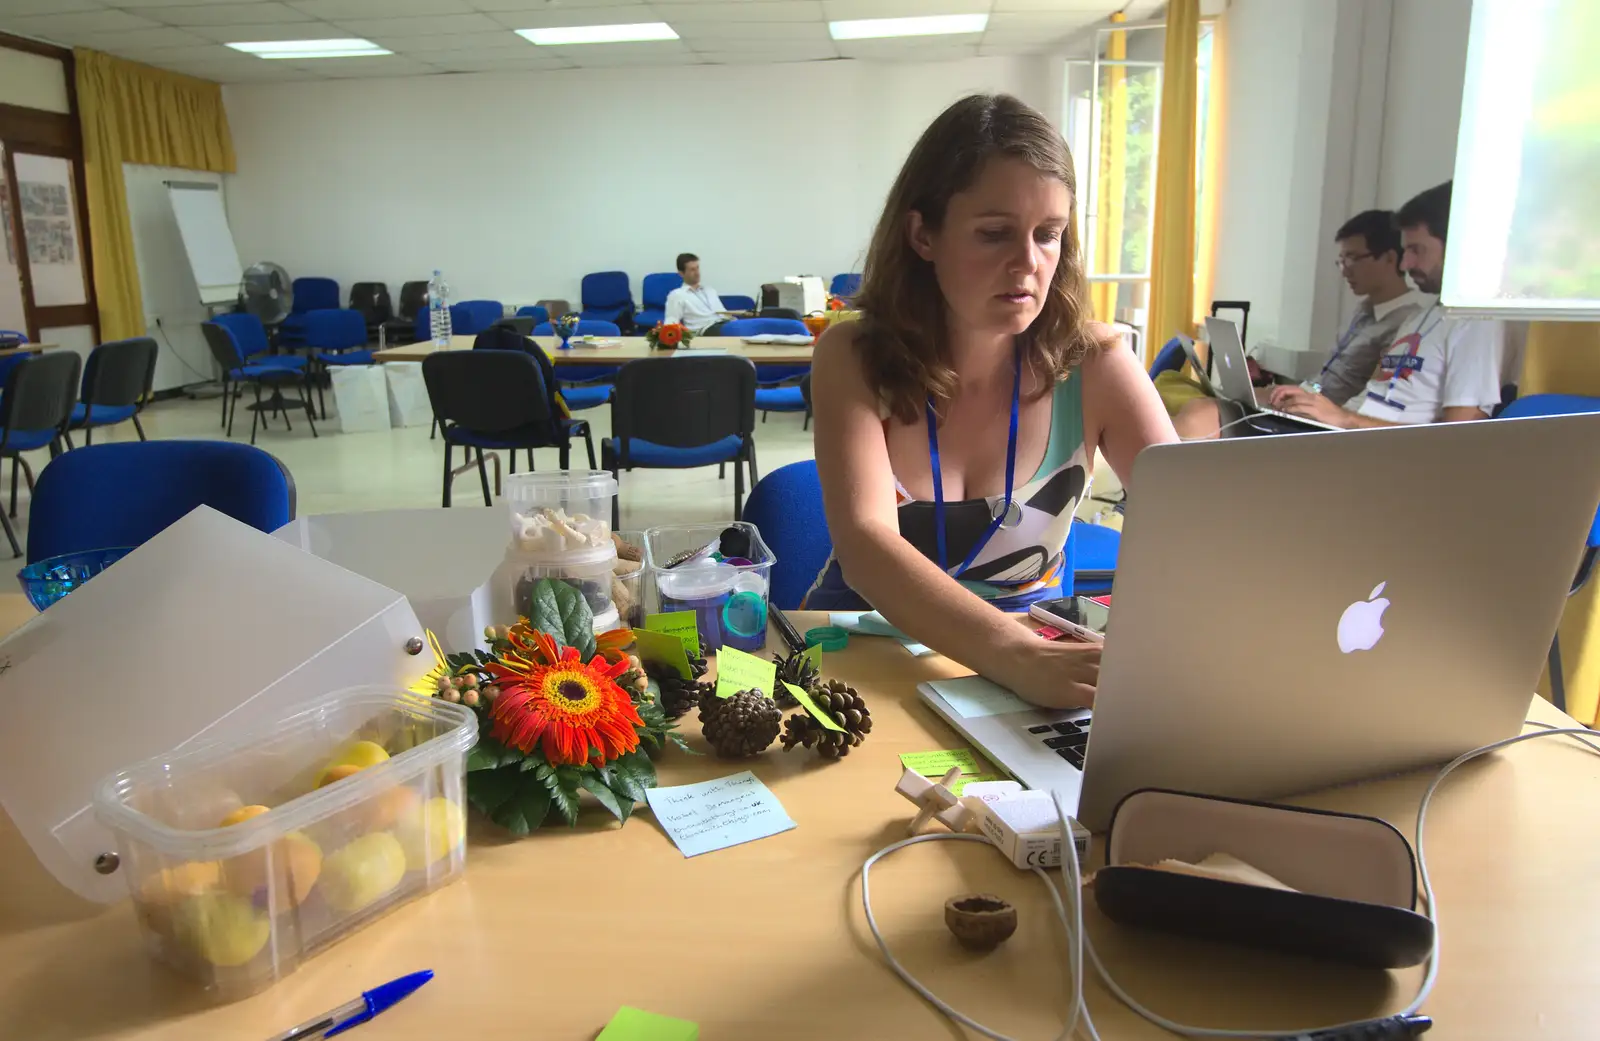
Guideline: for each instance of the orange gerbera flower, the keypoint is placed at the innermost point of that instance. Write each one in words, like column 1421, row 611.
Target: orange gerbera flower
column 565, row 708
column 670, row 335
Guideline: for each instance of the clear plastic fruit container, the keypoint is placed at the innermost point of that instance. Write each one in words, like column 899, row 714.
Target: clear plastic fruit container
column 562, row 515
column 512, row 584
column 244, row 857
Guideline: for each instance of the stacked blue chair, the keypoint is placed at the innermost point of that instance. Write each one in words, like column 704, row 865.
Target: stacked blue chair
column 845, row 286
column 786, row 505
column 116, row 383
column 1170, row 358
column 739, row 303
column 608, row 297
column 656, row 288
column 539, row 315
column 777, row 386
column 238, row 368
column 125, row 494
column 336, row 339
column 471, row 317
column 310, row 294
column 1561, row 405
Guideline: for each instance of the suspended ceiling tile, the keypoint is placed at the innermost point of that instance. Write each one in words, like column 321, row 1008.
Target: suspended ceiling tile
column 762, row 11
column 553, row 17
column 420, row 26
column 774, row 32
column 143, row 39
column 333, row 10
column 457, row 43
column 535, row 6
column 226, row 14
column 20, row 8
column 849, row 10
column 70, row 26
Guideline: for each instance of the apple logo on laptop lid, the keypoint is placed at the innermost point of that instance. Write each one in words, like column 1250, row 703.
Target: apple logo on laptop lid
column 1361, row 625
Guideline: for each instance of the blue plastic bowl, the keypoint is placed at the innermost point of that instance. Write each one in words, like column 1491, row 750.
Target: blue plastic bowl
column 46, row 581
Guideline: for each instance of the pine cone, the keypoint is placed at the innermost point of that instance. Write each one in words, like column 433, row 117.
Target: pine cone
column 743, row 725
column 697, row 665
column 845, row 707
column 796, row 669
column 678, row 695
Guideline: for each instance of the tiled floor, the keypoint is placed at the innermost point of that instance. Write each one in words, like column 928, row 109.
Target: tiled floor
column 340, row 472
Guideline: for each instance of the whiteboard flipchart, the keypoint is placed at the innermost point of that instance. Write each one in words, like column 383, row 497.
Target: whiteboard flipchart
column 203, row 223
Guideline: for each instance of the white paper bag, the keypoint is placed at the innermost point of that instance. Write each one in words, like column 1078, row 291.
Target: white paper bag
column 360, row 397
column 408, row 395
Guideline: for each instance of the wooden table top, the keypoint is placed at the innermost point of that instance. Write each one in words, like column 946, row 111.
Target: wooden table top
column 545, row 937
column 632, row 349
column 26, row 348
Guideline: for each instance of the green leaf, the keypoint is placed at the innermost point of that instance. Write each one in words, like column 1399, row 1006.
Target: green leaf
column 608, row 798
column 490, row 754
column 631, row 776
column 677, row 739
column 460, row 661
column 544, row 772
column 481, row 758
column 484, row 657
column 525, row 811
column 488, row 790
column 563, row 784
column 556, row 607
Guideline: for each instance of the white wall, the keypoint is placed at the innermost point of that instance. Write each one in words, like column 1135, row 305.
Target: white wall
column 1427, row 69
column 762, row 171
column 172, row 308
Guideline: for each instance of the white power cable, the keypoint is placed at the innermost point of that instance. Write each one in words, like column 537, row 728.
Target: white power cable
column 1078, row 942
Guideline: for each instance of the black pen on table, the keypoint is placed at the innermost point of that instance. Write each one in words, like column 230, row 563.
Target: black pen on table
column 786, row 629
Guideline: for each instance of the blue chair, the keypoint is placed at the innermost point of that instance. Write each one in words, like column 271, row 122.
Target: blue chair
column 250, row 339
column 1561, row 405
column 607, row 297
column 116, row 383
column 786, row 505
column 125, row 494
column 683, row 412
column 1091, row 558
column 739, row 303
column 471, row 317
column 588, row 386
column 336, row 338
column 845, row 286
column 656, row 288
column 34, row 411
column 1170, row 358
column 496, row 399
column 776, row 386
column 765, row 327
column 238, row 369
column 539, row 315
column 310, row 294
column 12, row 338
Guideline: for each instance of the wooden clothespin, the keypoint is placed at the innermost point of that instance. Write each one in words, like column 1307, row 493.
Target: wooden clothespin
column 933, row 800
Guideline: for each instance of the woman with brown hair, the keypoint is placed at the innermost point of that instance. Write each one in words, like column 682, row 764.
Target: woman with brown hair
column 958, row 420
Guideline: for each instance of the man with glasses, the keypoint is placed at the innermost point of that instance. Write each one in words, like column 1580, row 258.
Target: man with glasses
column 1369, row 258
column 1438, row 369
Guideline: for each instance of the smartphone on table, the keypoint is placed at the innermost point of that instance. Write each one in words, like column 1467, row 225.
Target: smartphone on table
column 1078, row 616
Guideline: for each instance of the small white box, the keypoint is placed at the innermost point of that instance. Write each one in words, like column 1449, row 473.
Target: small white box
column 408, row 395
column 1026, row 828
column 360, row 397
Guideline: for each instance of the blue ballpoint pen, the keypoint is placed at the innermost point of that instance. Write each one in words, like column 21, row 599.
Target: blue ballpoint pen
column 354, row 1013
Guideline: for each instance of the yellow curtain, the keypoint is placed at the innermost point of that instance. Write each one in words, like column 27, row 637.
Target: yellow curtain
column 1113, row 158
column 1564, row 358
column 1172, row 245
column 1210, row 173
column 132, row 113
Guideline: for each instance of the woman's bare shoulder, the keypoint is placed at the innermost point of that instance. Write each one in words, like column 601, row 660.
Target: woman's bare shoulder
column 839, row 347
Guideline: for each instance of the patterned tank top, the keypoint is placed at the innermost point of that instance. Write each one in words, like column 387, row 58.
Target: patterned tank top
column 1022, row 563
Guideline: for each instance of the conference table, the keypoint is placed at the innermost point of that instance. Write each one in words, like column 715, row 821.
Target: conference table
column 546, row 936
column 629, row 348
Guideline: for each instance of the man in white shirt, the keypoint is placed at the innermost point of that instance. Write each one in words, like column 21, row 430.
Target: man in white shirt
column 694, row 305
column 1438, row 369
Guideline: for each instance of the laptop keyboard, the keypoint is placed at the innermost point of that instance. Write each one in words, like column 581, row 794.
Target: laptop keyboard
column 1066, row 739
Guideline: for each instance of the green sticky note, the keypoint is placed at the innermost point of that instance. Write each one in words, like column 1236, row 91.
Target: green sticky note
column 738, row 671
column 813, row 654
column 937, row 764
column 959, row 785
column 632, row 1024
column 677, row 623
column 825, row 718
column 659, row 648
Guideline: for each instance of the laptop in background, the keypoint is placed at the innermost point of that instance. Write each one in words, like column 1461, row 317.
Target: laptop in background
column 1414, row 628
column 1233, row 382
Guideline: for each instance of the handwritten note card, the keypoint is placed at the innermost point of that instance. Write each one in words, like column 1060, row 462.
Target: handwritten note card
column 632, row 1024
column 680, row 624
column 664, row 649
column 737, row 671
column 937, row 764
column 714, row 815
column 813, row 654
column 974, row 696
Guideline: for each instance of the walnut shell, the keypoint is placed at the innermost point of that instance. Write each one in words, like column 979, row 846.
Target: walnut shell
column 980, row 921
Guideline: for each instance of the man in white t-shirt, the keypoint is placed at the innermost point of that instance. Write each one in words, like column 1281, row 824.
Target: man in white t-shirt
column 694, row 305
column 1438, row 369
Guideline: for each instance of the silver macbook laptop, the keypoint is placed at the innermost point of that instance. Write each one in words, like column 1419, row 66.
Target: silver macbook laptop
column 1409, row 622
column 1233, row 378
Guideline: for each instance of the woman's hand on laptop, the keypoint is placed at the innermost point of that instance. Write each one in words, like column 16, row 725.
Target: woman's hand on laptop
column 1054, row 673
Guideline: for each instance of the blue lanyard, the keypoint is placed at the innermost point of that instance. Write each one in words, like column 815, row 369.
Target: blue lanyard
column 1344, row 342
column 938, row 476
column 1411, row 352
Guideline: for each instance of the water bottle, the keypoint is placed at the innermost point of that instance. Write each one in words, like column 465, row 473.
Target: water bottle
column 438, row 310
